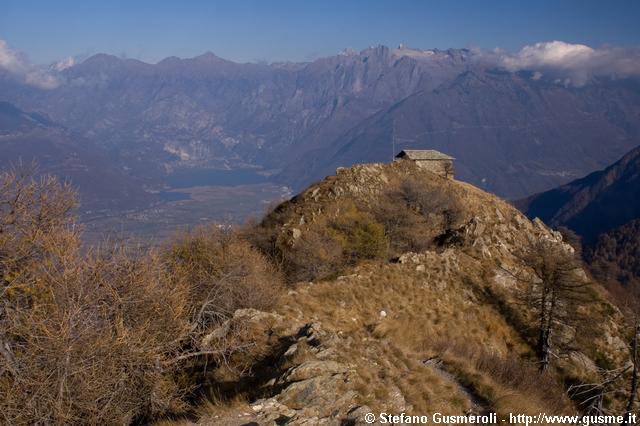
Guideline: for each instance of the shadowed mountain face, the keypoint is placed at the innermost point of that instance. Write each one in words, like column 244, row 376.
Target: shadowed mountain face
column 26, row 138
column 512, row 133
column 14, row 120
column 604, row 209
column 616, row 255
column 509, row 134
column 595, row 204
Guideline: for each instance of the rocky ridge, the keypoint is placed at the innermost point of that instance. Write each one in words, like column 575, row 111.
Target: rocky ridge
column 430, row 332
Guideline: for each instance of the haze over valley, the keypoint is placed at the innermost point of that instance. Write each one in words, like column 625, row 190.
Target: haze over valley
column 146, row 135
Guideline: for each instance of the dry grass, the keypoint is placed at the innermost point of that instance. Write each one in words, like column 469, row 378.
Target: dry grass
column 436, row 298
column 509, row 383
column 440, row 297
column 423, row 308
column 110, row 336
column 214, row 407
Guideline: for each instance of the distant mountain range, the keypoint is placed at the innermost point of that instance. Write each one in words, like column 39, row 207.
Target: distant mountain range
column 513, row 133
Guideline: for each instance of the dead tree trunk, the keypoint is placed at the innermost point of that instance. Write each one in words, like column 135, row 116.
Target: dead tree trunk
column 634, row 376
column 542, row 347
column 542, row 350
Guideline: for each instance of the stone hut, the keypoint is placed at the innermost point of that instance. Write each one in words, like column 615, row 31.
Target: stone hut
column 429, row 159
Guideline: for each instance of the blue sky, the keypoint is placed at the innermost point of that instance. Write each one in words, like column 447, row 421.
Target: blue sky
column 303, row 30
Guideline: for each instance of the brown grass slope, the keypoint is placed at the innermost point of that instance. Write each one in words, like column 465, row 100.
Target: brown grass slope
column 430, row 316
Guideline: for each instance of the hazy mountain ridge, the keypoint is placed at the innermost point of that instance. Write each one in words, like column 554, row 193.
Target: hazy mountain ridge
column 300, row 121
column 13, row 119
column 594, row 204
column 27, row 138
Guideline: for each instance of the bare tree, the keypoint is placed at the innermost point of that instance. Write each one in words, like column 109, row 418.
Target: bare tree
column 591, row 396
column 634, row 374
column 556, row 282
column 630, row 307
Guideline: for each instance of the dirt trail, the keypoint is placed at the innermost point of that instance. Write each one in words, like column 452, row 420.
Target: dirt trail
column 478, row 404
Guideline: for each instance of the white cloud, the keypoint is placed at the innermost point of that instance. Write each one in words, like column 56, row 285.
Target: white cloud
column 65, row 63
column 11, row 60
column 17, row 64
column 570, row 64
column 557, row 54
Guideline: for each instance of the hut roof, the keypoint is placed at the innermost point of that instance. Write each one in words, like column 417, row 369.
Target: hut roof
column 423, row 154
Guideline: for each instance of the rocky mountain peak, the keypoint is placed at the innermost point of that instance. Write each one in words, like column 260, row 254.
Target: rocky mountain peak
column 102, row 60
column 488, row 222
column 208, row 57
column 383, row 334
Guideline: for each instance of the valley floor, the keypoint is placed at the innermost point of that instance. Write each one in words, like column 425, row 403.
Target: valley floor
column 190, row 207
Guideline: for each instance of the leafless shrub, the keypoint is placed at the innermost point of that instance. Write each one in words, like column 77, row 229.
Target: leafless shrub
column 314, row 255
column 110, row 336
column 415, row 213
column 404, row 227
column 81, row 337
column 341, row 237
column 94, row 351
column 35, row 221
column 221, row 273
column 427, row 201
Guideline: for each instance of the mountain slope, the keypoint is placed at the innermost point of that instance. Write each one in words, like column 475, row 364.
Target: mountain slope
column 12, row 119
column 442, row 330
column 510, row 135
column 26, row 138
column 513, row 133
column 419, row 295
column 597, row 203
column 603, row 209
column 616, row 255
